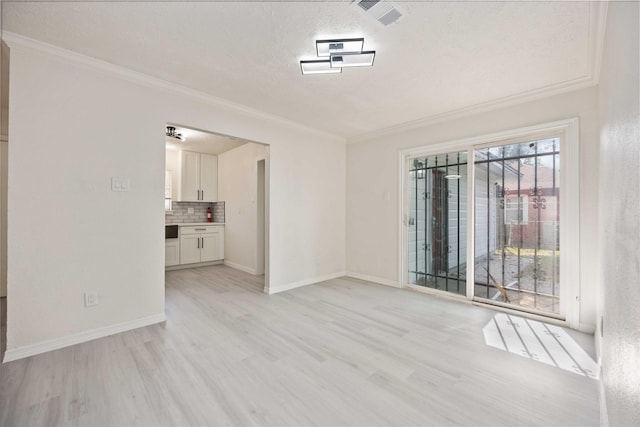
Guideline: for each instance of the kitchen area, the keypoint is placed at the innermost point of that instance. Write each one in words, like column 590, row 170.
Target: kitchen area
column 214, row 212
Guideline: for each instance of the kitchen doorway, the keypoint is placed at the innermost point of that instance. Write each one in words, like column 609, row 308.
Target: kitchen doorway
column 216, row 193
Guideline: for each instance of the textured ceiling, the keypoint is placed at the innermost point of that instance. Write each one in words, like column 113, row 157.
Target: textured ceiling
column 442, row 57
column 202, row 142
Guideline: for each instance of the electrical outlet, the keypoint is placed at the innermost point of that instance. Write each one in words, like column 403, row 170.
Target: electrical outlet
column 190, row 210
column 90, row 299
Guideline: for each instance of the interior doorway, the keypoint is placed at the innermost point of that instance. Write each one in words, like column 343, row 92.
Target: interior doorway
column 216, row 201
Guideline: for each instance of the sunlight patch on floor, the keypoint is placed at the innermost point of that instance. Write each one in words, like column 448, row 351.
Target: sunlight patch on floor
column 539, row 341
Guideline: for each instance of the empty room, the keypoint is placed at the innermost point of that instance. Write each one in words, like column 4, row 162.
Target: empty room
column 320, row 213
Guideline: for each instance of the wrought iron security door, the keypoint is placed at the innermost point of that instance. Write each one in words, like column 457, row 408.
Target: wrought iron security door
column 517, row 225
column 437, row 195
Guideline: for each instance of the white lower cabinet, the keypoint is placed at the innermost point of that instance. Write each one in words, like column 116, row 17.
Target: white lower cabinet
column 171, row 252
column 201, row 244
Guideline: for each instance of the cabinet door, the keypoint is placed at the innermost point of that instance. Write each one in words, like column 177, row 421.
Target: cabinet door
column 171, row 252
column 209, row 178
column 211, row 247
column 189, row 249
column 189, row 177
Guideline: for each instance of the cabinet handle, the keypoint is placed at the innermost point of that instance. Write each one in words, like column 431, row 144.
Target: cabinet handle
column 201, row 229
column 203, row 243
column 198, row 243
column 202, row 195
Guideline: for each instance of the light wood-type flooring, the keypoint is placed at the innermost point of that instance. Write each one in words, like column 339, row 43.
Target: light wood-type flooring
column 338, row 353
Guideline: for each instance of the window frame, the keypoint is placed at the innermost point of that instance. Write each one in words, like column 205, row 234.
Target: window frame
column 568, row 132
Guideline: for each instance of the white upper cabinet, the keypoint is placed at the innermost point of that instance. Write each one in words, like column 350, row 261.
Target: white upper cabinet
column 208, row 178
column 198, row 177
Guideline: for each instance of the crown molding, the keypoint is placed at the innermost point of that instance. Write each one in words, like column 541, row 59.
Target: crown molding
column 596, row 33
column 597, row 28
column 17, row 40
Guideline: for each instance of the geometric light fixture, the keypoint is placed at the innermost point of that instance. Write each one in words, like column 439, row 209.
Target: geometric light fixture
column 337, row 54
column 351, row 59
column 318, row 66
column 327, row 47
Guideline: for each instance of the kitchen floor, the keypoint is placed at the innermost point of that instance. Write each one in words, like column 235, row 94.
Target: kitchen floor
column 339, row 353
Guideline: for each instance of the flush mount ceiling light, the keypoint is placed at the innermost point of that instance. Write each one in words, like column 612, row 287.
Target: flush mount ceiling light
column 171, row 133
column 340, row 53
column 318, row 66
column 353, row 59
column 327, row 47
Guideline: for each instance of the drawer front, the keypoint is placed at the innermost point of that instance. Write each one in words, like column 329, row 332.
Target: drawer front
column 203, row 229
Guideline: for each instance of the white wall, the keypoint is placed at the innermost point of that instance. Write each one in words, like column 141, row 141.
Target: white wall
column 74, row 125
column 372, row 171
column 172, row 164
column 237, row 187
column 619, row 225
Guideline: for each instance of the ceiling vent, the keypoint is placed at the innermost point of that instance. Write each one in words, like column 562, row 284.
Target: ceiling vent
column 385, row 12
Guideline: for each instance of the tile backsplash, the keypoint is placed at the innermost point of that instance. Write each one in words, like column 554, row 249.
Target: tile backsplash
column 180, row 212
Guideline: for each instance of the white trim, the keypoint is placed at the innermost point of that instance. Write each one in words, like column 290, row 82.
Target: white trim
column 287, row 286
column 569, row 204
column 490, row 139
column 587, row 328
column 241, row 267
column 69, row 340
column 373, row 279
column 193, row 265
column 17, row 40
column 403, row 224
column 462, row 299
column 525, row 314
column 471, row 225
column 267, row 218
column 602, row 397
column 598, row 17
column 596, row 38
column 570, row 278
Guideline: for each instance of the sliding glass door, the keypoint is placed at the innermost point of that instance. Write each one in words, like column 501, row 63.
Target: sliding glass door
column 517, row 224
column 437, row 242
column 515, row 236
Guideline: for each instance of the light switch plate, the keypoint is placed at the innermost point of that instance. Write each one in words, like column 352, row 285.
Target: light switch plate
column 119, row 184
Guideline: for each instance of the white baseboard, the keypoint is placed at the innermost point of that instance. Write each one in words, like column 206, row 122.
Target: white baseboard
column 374, row 279
column 587, row 328
column 604, row 416
column 192, row 265
column 241, row 267
column 287, row 286
column 66, row 341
